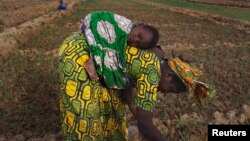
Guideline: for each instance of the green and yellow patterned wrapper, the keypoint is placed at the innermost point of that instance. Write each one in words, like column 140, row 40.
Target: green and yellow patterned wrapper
column 190, row 77
column 89, row 111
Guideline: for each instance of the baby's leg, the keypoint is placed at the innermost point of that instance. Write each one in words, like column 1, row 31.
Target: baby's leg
column 91, row 70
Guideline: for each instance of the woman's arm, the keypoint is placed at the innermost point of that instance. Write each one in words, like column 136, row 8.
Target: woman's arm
column 128, row 97
column 144, row 118
column 146, row 126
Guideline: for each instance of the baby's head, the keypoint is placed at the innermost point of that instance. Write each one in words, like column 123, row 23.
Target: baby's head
column 143, row 36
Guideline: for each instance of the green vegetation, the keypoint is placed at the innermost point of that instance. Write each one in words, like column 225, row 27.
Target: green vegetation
column 1, row 21
column 230, row 12
column 30, row 83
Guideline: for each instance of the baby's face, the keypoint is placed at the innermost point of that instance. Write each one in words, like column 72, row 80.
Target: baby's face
column 140, row 37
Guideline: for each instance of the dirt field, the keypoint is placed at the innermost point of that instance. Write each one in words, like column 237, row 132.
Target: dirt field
column 16, row 31
column 29, row 83
column 233, row 3
column 15, row 12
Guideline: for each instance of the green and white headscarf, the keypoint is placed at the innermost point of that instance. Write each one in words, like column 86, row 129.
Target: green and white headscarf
column 107, row 35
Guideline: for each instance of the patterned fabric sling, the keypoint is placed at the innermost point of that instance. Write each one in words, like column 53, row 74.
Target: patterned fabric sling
column 106, row 34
